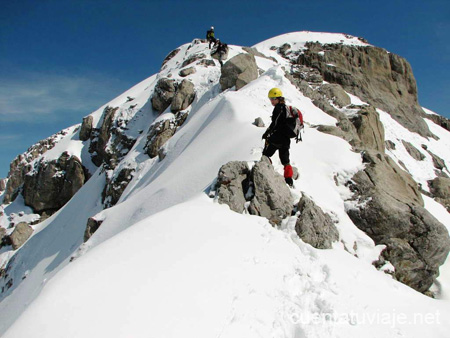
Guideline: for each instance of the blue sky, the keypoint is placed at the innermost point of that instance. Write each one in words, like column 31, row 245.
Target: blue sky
column 61, row 60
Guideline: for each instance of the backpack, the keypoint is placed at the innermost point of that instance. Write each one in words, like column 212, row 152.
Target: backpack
column 294, row 122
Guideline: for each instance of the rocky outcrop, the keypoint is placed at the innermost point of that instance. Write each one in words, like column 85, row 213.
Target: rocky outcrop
column 284, row 50
column 255, row 52
column 363, row 129
column 184, row 96
column 410, row 269
column 21, row 165
column 272, row 197
column 169, row 57
column 413, row 151
column 91, row 227
column 314, row 226
column 439, row 120
column 390, row 208
column 336, row 94
column 440, row 188
column 382, row 79
column 438, row 162
column 52, row 184
column 369, row 128
column 165, row 90
column 206, row 63
column 238, row 71
column 158, row 135
column 187, row 71
column 170, row 93
column 305, row 76
column 160, row 132
column 20, row 235
column 233, row 182
column 86, row 128
column 265, row 189
column 115, row 186
column 109, row 142
column 193, row 58
column 100, row 137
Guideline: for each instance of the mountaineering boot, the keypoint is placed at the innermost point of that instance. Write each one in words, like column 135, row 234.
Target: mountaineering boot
column 288, row 173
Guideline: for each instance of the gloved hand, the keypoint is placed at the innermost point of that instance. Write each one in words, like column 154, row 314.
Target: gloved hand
column 266, row 134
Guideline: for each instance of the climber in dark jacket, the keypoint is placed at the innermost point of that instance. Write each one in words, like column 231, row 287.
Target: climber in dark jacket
column 276, row 135
column 221, row 50
column 210, row 37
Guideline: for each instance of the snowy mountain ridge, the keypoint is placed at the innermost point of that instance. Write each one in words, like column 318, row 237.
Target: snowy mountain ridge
column 165, row 252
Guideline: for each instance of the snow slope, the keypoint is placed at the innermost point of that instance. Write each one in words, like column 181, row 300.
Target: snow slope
column 169, row 261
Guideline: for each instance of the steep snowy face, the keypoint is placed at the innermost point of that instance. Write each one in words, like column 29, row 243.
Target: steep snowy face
column 151, row 155
column 118, row 137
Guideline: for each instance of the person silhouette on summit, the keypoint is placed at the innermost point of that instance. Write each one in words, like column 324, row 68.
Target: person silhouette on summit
column 221, row 49
column 277, row 134
column 210, row 36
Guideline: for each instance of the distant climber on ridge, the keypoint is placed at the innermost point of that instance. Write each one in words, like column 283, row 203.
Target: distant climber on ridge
column 220, row 50
column 277, row 134
column 210, row 36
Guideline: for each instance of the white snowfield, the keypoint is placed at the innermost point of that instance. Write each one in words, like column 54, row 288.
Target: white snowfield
column 169, row 261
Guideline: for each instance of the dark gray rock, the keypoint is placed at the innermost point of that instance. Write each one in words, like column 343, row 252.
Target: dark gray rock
column 238, row 71
column 192, row 59
column 101, row 136
column 115, row 186
column 53, row 183
column 206, row 63
column 438, row 162
column 91, row 227
column 409, row 268
column 20, row 235
column 314, row 226
column 391, row 207
column 283, row 50
column 389, row 145
column 184, row 96
column 413, row 151
column 232, row 185
column 165, row 90
column 187, row 71
column 21, row 166
column 439, row 120
column 159, row 133
column 259, row 122
column 272, row 197
column 86, row 128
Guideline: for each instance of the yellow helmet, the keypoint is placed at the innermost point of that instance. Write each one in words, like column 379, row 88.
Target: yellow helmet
column 275, row 92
